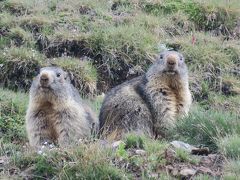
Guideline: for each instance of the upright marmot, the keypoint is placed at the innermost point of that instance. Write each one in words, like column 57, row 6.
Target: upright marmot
column 151, row 103
column 56, row 112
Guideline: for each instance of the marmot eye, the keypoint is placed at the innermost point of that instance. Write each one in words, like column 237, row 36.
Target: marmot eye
column 161, row 56
column 58, row 74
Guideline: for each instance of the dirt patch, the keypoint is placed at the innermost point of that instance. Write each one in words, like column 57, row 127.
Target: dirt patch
column 211, row 165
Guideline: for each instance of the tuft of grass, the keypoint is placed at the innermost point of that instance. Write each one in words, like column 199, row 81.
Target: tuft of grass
column 20, row 36
column 15, row 7
column 36, row 23
column 19, row 66
column 121, row 151
column 7, row 20
column 7, row 148
column 205, row 127
column 204, row 16
column 184, row 156
column 203, row 177
column 230, row 145
column 85, row 162
column 134, row 141
column 21, row 54
column 220, row 102
column 232, row 170
column 12, row 116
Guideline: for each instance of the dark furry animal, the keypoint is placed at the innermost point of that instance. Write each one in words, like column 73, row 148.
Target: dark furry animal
column 148, row 104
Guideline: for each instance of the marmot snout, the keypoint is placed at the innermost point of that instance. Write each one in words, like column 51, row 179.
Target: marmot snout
column 46, row 78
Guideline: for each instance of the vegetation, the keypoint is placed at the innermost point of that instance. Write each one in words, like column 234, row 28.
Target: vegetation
column 102, row 44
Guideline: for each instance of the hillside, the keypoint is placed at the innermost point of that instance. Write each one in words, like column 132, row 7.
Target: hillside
column 102, row 44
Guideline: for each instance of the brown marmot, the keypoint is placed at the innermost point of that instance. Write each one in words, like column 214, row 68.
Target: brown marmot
column 148, row 104
column 56, row 112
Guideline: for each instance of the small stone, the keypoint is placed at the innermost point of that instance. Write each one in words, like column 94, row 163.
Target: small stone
column 116, row 144
column 206, row 160
column 104, row 143
column 169, row 167
column 205, row 170
column 45, row 143
column 187, row 172
column 182, row 145
column 153, row 175
column 175, row 172
column 140, row 152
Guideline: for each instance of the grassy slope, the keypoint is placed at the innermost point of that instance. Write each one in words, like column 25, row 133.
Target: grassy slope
column 104, row 44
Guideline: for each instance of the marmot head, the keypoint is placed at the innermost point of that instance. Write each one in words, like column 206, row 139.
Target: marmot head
column 169, row 63
column 51, row 84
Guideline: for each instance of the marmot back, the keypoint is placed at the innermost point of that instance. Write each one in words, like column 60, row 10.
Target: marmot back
column 56, row 112
column 148, row 104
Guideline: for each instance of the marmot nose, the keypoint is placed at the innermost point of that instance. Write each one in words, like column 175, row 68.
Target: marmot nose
column 171, row 60
column 44, row 79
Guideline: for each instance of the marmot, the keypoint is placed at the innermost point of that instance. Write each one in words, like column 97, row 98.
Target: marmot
column 56, row 112
column 148, row 104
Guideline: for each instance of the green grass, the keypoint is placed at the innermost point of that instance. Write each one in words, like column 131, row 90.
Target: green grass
column 124, row 36
column 12, row 114
column 230, row 146
column 134, row 141
column 184, row 156
column 69, row 164
column 205, row 127
column 232, row 170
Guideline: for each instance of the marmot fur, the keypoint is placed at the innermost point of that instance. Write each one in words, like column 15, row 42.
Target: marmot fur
column 56, row 112
column 148, row 104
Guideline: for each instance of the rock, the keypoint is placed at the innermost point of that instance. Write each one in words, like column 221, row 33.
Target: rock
column 182, row 145
column 116, row 144
column 169, row 167
column 205, row 170
column 187, row 172
column 206, row 161
column 4, row 160
column 140, row 152
column 170, row 155
column 104, row 143
column 153, row 175
column 175, row 172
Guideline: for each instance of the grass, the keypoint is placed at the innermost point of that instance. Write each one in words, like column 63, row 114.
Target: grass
column 205, row 127
column 70, row 164
column 229, row 145
column 12, row 112
column 209, row 128
column 232, row 170
column 102, row 44
column 133, row 141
